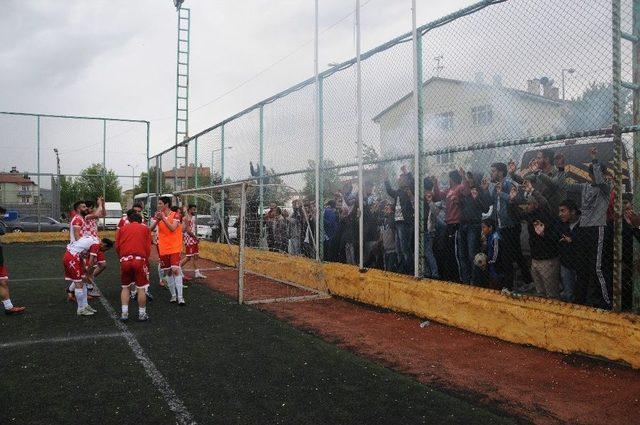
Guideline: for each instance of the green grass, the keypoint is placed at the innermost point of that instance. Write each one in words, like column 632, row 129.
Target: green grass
column 227, row 363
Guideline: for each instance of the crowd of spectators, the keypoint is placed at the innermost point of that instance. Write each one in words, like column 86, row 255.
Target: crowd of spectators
column 474, row 229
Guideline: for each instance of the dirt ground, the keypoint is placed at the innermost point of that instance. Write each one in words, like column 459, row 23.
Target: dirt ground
column 534, row 384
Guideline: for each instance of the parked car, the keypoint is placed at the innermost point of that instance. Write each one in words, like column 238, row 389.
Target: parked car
column 232, row 228
column 30, row 224
column 203, row 226
column 113, row 215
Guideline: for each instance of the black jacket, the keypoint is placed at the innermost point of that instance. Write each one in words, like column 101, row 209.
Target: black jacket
column 547, row 246
column 405, row 199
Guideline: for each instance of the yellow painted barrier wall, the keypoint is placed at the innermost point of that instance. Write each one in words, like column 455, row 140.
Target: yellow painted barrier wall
column 548, row 324
column 34, row 237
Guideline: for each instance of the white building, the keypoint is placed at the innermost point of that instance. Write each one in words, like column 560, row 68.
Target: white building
column 461, row 113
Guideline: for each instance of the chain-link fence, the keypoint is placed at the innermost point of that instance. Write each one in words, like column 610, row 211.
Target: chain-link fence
column 518, row 103
column 48, row 162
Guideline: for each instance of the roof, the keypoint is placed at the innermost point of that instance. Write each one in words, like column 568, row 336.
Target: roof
column 190, row 172
column 516, row 92
column 15, row 178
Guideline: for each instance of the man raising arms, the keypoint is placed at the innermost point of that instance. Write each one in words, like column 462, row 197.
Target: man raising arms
column 191, row 240
column 169, row 247
column 133, row 246
column 90, row 228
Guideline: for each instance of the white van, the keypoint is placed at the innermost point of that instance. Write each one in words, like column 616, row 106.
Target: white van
column 114, row 214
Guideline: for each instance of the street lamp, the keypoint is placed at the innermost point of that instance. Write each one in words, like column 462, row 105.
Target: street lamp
column 133, row 177
column 570, row 71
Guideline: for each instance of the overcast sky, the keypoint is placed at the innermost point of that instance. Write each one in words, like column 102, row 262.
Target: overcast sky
column 117, row 59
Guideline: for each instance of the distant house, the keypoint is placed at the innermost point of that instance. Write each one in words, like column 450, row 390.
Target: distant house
column 16, row 188
column 184, row 175
column 460, row 112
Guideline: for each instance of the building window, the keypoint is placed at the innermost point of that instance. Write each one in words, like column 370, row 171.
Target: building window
column 444, row 158
column 482, row 115
column 444, row 121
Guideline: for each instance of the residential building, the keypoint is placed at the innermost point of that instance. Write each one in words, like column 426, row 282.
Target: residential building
column 462, row 113
column 185, row 176
column 16, row 188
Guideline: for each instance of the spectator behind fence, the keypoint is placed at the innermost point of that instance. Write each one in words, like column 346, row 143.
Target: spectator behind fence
column 331, row 236
column 630, row 231
column 430, row 222
column 403, row 215
column 489, row 264
column 569, row 247
column 594, row 275
column 543, row 239
column 543, row 163
column 474, row 201
column 455, row 269
column 388, row 238
column 509, row 228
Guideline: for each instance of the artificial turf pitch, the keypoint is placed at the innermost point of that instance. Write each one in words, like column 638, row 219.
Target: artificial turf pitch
column 227, row 363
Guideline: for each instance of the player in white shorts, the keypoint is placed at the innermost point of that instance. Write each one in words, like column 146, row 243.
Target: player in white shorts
column 75, row 233
column 90, row 228
column 74, row 262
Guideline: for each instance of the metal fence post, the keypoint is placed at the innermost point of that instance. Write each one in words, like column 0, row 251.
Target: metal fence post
column 418, row 258
column 261, row 165
column 636, row 151
column 38, row 166
column 223, row 222
column 320, row 171
column 618, row 159
column 359, row 141
column 148, row 169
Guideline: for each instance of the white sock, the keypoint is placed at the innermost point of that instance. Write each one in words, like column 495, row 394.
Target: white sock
column 142, row 310
column 125, row 309
column 179, row 286
column 172, row 285
column 72, row 287
column 81, row 298
column 86, row 292
column 7, row 304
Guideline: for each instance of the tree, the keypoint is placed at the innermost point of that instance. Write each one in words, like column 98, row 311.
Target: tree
column 330, row 180
column 594, row 108
column 152, row 177
column 69, row 193
column 95, row 180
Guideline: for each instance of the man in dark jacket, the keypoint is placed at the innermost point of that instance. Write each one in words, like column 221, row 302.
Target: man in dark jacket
column 404, row 212
column 474, row 201
column 543, row 240
column 569, row 247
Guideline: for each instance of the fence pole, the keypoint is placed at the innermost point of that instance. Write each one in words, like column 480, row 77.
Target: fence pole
column 418, row 225
column 636, row 152
column 148, row 170
column 359, row 140
column 261, row 173
column 223, row 222
column 617, row 141
column 242, row 218
column 320, row 161
column 317, row 131
column 38, row 166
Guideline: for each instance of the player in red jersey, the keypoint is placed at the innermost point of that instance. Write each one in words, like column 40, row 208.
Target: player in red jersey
column 137, row 208
column 9, row 308
column 75, row 269
column 190, row 239
column 133, row 246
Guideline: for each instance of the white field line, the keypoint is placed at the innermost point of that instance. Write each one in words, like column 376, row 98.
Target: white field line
column 176, row 405
column 60, row 339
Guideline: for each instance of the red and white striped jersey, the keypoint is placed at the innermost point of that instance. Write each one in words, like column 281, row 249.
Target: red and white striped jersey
column 188, row 239
column 78, row 221
column 125, row 220
column 90, row 228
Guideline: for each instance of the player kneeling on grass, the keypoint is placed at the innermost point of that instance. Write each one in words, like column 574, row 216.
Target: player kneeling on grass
column 75, row 268
column 191, row 241
column 133, row 246
column 170, row 246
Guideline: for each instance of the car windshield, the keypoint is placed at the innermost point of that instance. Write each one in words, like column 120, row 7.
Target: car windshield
column 114, row 213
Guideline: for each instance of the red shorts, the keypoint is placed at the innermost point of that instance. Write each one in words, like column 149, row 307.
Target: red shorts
column 4, row 274
column 191, row 249
column 72, row 267
column 170, row 260
column 101, row 259
column 134, row 271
